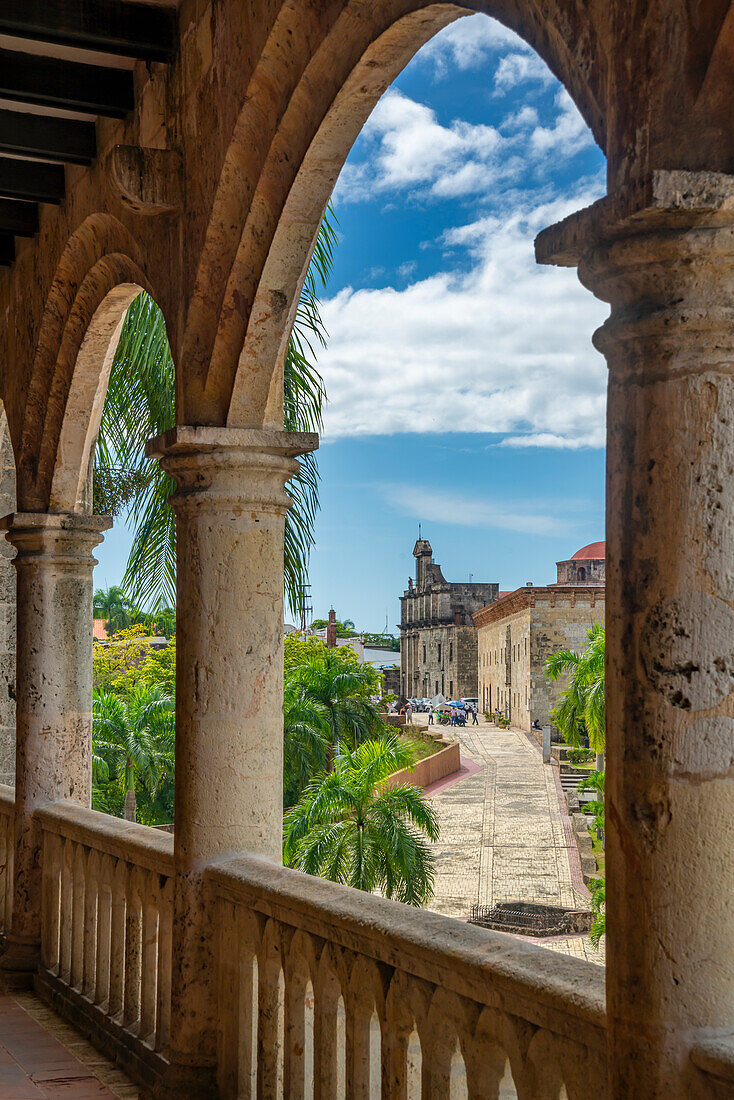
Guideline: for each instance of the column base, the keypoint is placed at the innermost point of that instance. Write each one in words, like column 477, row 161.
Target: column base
column 180, row 1081
column 19, row 963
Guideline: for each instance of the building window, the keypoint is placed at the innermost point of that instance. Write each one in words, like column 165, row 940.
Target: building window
column 582, row 574
column 451, row 689
column 439, row 653
column 424, row 654
column 451, row 651
column 436, row 687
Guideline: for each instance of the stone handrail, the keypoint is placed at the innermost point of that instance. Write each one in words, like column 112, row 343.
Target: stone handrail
column 7, row 854
column 107, row 913
column 368, row 997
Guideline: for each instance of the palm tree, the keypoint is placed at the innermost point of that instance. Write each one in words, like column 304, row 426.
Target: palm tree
column 305, row 741
column 111, row 605
column 580, row 708
column 141, row 403
column 342, row 694
column 350, row 827
column 136, row 735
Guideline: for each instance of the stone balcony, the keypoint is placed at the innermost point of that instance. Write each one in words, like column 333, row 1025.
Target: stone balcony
column 322, row 991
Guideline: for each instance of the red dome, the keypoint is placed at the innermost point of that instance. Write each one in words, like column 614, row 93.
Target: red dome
column 593, row 550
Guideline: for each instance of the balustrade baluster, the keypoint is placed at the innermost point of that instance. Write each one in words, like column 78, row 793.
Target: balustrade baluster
column 359, row 1052
column 133, row 952
column 65, row 910
column 9, row 863
column 165, row 930
column 90, row 923
column 271, row 996
column 4, row 852
column 104, row 926
column 77, row 915
column 294, row 1069
column 117, row 938
column 149, row 957
column 326, row 1061
column 51, row 901
column 229, row 952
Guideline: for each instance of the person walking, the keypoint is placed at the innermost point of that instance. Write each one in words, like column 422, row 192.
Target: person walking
column 474, row 720
column 430, row 714
column 409, row 713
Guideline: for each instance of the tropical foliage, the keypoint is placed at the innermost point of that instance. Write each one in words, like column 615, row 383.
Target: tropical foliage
column 598, row 908
column 118, row 612
column 132, row 742
column 351, row 827
column 140, row 404
column 343, row 696
column 129, row 660
column 580, row 710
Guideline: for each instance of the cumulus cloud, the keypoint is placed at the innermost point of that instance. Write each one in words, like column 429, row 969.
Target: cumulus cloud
column 466, row 43
column 503, row 347
column 442, row 506
column 520, row 68
column 408, row 148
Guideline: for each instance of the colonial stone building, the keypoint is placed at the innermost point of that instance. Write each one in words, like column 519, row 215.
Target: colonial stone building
column 518, row 632
column 438, row 638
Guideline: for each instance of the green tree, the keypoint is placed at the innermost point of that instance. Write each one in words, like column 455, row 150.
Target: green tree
column 133, row 738
column 580, row 709
column 111, row 605
column 305, row 741
column 598, row 906
column 140, row 404
column 343, row 694
column 350, row 827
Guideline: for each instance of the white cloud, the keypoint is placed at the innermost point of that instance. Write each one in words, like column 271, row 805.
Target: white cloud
column 520, row 68
column 466, row 43
column 409, row 149
column 443, row 506
column 568, row 134
column 504, row 347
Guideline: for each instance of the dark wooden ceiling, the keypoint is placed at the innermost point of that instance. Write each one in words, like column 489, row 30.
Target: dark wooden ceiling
column 49, row 100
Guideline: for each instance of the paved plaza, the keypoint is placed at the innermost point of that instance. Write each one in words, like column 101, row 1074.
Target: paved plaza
column 503, row 834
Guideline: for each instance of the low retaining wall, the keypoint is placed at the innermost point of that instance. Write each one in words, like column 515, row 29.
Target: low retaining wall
column 444, row 762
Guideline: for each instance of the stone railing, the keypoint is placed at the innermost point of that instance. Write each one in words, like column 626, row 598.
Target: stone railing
column 7, row 855
column 106, row 930
column 369, row 998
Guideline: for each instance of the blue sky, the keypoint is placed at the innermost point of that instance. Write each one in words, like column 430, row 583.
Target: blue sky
column 464, row 392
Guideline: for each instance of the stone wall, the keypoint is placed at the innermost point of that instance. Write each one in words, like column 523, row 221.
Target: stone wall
column 7, row 613
column 514, row 638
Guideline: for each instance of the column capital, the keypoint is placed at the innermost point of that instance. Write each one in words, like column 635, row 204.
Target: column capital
column 57, row 538
column 663, row 200
column 225, row 468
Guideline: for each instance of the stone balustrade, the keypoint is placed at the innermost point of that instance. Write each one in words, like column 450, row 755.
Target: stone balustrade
column 107, row 912
column 369, row 998
column 323, row 992
column 7, row 851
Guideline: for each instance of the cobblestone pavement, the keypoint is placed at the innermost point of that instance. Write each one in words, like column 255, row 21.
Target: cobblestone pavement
column 503, row 835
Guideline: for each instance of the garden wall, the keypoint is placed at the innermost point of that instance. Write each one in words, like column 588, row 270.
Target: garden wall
column 444, row 762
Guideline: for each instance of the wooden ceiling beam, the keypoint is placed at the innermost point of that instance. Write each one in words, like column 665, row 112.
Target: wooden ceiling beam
column 18, row 218
column 123, row 27
column 63, row 139
column 51, row 82
column 25, row 179
column 7, row 249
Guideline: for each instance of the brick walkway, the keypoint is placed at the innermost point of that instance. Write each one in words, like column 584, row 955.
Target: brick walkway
column 42, row 1058
column 503, row 835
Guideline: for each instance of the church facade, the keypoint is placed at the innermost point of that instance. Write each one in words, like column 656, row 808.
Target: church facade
column 438, row 636
column 516, row 633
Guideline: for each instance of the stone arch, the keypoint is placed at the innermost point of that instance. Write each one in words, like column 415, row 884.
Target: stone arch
column 303, row 110
column 99, row 274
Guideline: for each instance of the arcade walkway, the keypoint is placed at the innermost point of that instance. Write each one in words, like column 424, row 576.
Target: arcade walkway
column 43, row 1058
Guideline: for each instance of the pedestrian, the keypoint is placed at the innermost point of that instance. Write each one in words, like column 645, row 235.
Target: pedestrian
column 409, row 712
column 430, row 714
column 474, row 720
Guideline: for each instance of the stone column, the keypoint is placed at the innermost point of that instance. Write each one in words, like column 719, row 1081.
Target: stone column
column 54, row 566
column 663, row 255
column 230, row 511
